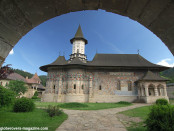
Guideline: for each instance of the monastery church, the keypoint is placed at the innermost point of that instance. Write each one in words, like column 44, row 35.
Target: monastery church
column 107, row 78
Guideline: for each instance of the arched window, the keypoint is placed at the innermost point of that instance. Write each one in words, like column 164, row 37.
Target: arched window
column 118, row 85
column 82, row 87
column 74, row 86
column 129, row 85
column 100, row 87
column 151, row 89
column 54, row 87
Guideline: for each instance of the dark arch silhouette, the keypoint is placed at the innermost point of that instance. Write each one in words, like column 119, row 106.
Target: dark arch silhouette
column 17, row 17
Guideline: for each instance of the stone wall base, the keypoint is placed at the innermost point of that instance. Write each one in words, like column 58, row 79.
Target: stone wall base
column 85, row 98
column 97, row 98
column 152, row 99
column 49, row 97
column 111, row 98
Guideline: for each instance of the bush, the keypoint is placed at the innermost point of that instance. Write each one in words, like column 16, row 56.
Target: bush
column 124, row 102
column 73, row 105
column 161, row 101
column 36, row 93
column 7, row 96
column 54, row 111
column 160, row 118
column 34, row 97
column 23, row 105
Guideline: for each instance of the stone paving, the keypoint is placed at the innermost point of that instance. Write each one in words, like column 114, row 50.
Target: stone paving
column 96, row 120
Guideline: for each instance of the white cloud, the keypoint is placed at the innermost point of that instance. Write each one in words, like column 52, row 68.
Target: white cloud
column 165, row 62
column 11, row 52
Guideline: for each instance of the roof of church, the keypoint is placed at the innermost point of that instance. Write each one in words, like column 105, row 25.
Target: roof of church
column 108, row 60
column 34, row 79
column 79, row 35
column 40, row 86
column 60, row 61
column 120, row 60
column 76, row 61
column 16, row 76
column 151, row 76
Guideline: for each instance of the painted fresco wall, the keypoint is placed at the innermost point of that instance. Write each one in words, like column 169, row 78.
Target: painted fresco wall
column 79, row 85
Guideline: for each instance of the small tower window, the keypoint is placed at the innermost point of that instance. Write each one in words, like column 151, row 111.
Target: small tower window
column 74, row 86
column 129, row 86
column 118, row 85
column 100, row 87
column 82, row 87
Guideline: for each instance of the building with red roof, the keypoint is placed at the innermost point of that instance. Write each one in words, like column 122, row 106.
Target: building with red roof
column 33, row 84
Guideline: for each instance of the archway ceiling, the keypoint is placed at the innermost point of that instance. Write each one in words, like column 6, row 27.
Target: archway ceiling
column 17, row 17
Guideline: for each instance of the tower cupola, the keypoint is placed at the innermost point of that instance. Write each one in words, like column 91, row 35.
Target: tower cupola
column 78, row 43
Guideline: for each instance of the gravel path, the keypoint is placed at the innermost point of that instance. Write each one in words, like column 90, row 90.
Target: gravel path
column 96, row 120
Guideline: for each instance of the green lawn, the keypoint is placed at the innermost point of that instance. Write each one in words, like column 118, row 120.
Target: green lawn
column 37, row 118
column 140, row 112
column 84, row 106
column 171, row 101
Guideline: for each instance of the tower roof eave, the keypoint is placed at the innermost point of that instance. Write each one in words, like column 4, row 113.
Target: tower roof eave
column 79, row 38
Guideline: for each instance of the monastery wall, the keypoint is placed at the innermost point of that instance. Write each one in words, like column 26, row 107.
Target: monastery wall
column 76, row 98
column 78, row 85
column 111, row 98
column 115, row 83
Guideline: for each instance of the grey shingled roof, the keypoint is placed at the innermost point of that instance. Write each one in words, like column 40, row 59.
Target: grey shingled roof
column 79, row 35
column 16, row 76
column 121, row 60
column 60, row 61
column 108, row 60
column 40, row 86
column 76, row 61
column 151, row 76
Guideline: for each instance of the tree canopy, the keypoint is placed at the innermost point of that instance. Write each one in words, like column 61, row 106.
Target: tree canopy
column 18, row 87
column 5, row 71
column 6, row 96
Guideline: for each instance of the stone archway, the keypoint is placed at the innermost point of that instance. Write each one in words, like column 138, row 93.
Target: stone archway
column 17, row 17
column 151, row 89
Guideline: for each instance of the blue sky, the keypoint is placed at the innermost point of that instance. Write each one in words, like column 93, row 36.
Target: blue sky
column 106, row 33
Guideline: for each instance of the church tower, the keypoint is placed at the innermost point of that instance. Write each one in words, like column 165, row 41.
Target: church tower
column 78, row 49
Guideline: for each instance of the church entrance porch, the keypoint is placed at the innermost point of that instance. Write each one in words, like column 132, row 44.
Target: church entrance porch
column 149, row 92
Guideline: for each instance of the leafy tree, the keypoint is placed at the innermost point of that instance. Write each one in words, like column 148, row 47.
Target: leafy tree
column 6, row 96
column 43, row 78
column 5, row 71
column 35, row 96
column 35, row 93
column 18, row 87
